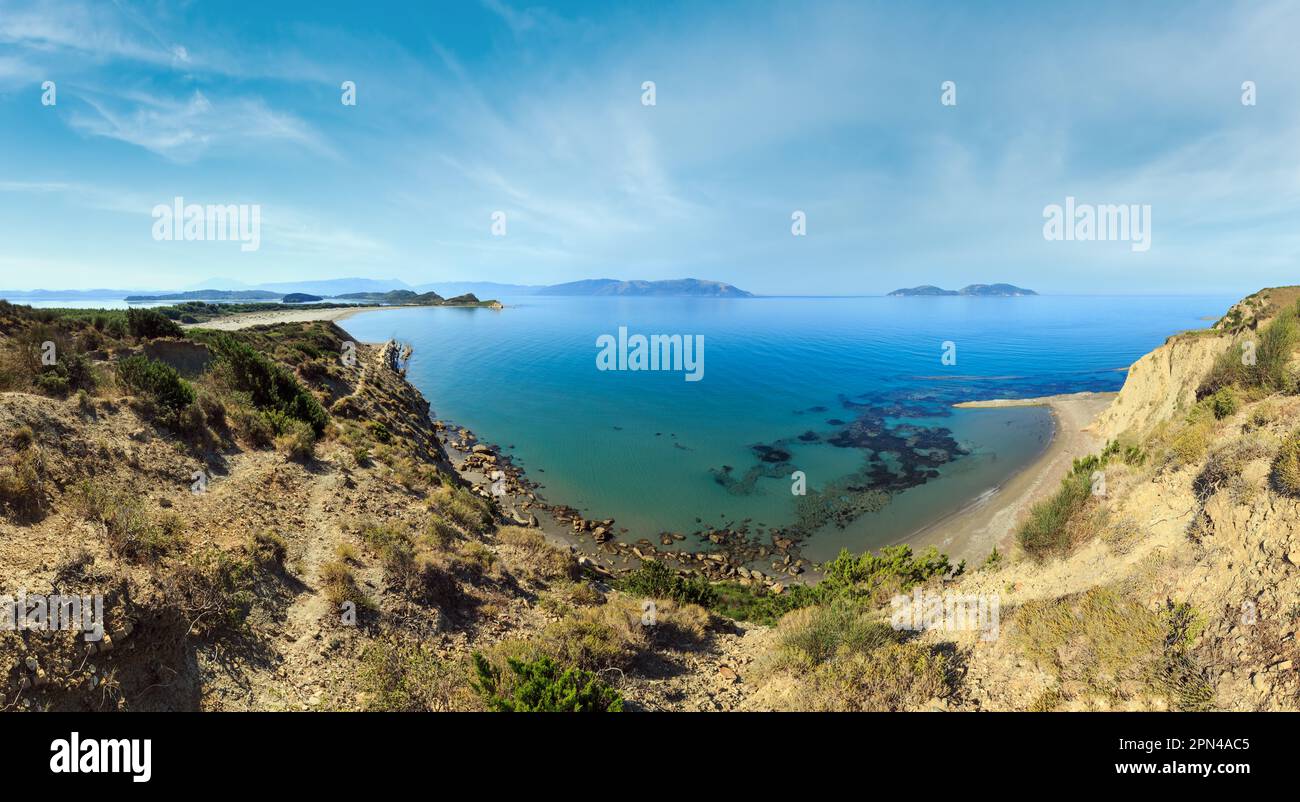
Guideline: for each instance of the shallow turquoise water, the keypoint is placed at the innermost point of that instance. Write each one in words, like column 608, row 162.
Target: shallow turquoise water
column 647, row 447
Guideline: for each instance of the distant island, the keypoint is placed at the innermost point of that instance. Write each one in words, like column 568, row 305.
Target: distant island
column 209, row 295
column 397, row 292
column 690, row 287
column 977, row 290
column 392, row 297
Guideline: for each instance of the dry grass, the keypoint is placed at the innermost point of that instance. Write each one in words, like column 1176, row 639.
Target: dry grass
column 562, row 597
column 527, row 553
column 297, row 442
column 841, row 657
column 401, row 675
column 597, row 638
column 1104, row 646
column 132, row 532
column 24, row 492
column 1223, row 468
column 341, row 587
column 463, row 508
column 1190, row 443
column 1286, row 467
column 896, row 676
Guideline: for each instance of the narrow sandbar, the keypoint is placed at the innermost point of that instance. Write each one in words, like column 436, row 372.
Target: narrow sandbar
column 972, row 532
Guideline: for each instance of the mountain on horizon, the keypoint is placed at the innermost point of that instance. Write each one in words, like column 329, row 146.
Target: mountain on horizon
column 974, row 290
column 224, row 289
column 673, row 287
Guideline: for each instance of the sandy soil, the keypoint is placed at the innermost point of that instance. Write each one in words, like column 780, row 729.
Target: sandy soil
column 971, row 533
column 247, row 319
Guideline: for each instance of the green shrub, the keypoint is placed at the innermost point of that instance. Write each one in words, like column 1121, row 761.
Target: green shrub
column 379, row 431
column 155, row 380
column 655, row 580
column 270, row 386
column 70, row 372
column 192, row 423
column 213, row 410
column 892, row 564
column 1277, row 341
column 1224, row 403
column 993, row 560
column 253, row 427
column 298, row 441
column 1274, row 345
column 758, row 604
column 542, row 686
column 1049, row 528
column 148, row 324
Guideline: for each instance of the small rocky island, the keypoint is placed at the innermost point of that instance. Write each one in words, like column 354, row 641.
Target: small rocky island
column 977, row 290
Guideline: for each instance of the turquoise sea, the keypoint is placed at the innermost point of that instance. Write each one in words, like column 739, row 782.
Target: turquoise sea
column 852, row 392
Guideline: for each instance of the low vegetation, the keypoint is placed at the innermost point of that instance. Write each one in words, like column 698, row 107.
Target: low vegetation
column 543, row 686
column 1071, row 516
column 24, row 493
column 1259, row 361
column 132, row 531
column 156, row 381
column 1286, row 467
column 840, row 657
column 1103, row 647
column 401, row 675
column 272, row 388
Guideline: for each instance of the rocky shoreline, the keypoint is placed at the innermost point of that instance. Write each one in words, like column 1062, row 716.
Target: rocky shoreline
column 733, row 552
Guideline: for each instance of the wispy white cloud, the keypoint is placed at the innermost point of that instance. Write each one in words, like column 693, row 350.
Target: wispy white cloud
column 183, row 130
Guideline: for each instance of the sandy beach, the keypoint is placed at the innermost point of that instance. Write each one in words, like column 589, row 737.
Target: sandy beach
column 972, row 532
column 244, row 320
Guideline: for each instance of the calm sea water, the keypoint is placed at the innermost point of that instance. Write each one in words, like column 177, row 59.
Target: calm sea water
column 860, row 380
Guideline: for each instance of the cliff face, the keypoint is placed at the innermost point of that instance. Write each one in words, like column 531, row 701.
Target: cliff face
column 1176, row 585
column 1160, row 384
column 1163, row 383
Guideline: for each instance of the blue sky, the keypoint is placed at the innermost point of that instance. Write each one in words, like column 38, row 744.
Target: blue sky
column 762, row 109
